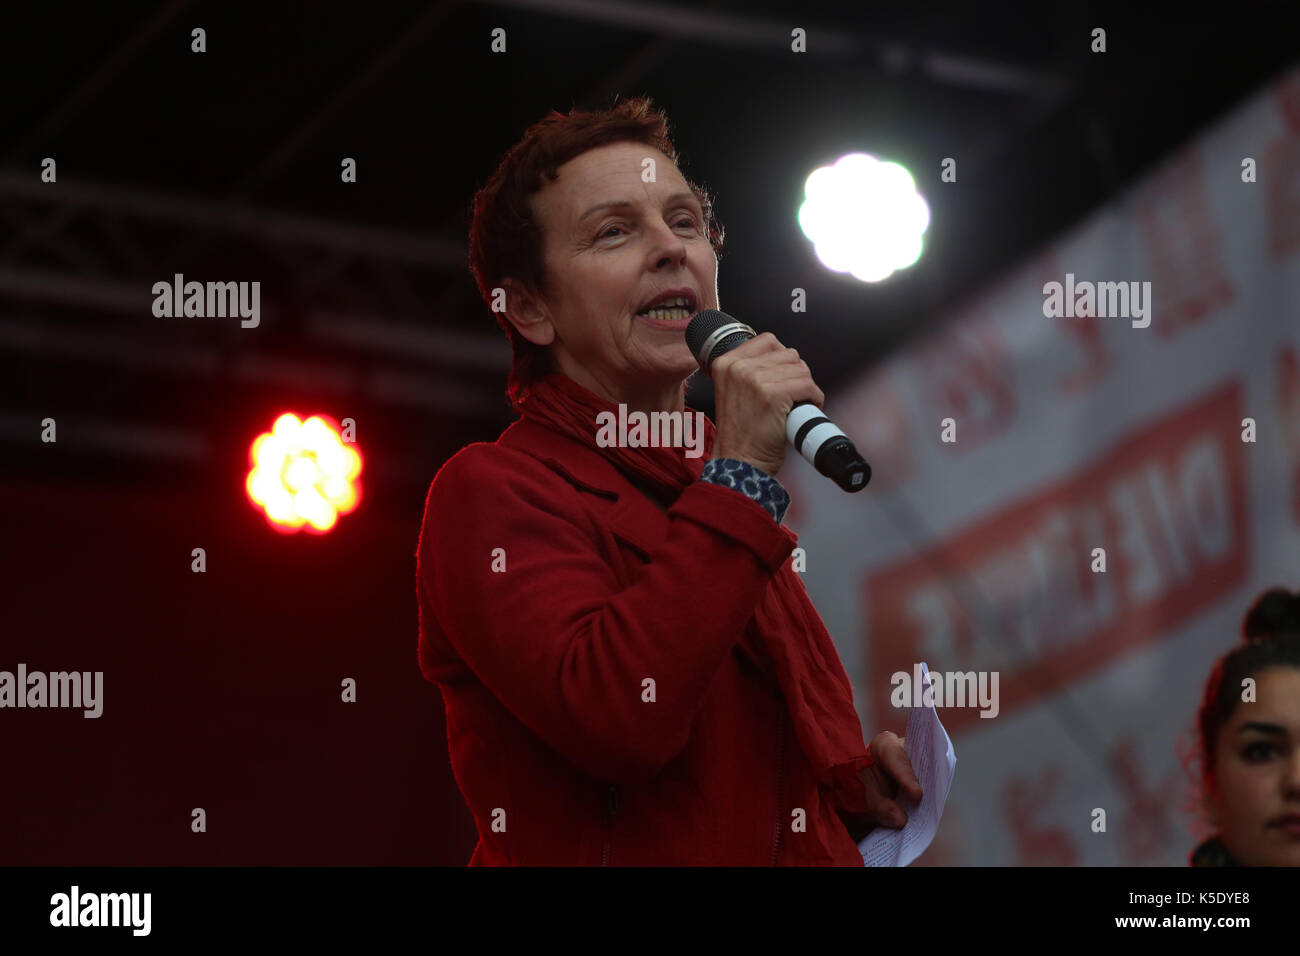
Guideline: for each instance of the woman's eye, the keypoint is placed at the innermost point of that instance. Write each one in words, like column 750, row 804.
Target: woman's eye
column 1258, row 751
column 688, row 220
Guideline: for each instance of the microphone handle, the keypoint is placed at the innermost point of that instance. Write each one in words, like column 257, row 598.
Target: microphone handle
column 825, row 447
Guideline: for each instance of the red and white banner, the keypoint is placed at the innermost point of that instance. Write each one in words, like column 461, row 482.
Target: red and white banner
column 1170, row 449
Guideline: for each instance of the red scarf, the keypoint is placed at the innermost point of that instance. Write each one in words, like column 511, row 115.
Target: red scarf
column 812, row 678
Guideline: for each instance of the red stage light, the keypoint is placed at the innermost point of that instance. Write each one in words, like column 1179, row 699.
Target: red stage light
column 303, row 474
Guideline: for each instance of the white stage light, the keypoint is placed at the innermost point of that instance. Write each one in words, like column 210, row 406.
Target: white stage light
column 864, row 217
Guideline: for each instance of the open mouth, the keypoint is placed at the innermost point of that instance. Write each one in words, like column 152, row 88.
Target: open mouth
column 671, row 309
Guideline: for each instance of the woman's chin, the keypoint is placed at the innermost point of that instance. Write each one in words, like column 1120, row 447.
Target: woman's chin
column 672, row 358
column 682, row 366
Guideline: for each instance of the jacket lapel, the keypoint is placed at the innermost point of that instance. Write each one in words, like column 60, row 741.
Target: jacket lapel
column 631, row 515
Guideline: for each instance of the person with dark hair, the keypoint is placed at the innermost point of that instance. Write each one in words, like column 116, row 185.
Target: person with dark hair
column 632, row 671
column 1249, row 736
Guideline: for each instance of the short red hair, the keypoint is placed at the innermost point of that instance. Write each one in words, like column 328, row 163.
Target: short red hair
column 505, row 240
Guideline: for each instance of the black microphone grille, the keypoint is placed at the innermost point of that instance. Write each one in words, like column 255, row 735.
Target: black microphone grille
column 704, row 324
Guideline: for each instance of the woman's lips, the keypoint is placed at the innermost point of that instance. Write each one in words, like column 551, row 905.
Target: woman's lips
column 1290, row 826
column 676, row 325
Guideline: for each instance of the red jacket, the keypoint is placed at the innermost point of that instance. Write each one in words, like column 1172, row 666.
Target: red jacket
column 541, row 662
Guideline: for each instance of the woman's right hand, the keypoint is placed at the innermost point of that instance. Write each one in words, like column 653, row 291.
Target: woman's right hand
column 755, row 386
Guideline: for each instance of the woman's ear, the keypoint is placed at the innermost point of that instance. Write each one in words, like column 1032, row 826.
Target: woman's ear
column 527, row 313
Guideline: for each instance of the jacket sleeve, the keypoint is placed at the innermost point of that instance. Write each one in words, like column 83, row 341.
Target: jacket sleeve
column 555, row 640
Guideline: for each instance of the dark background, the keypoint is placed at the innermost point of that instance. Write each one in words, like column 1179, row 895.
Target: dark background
column 222, row 689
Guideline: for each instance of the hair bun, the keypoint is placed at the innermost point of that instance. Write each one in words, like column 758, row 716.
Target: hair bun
column 1276, row 611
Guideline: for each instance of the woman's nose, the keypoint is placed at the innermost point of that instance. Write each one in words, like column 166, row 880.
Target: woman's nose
column 1291, row 780
column 675, row 257
column 668, row 246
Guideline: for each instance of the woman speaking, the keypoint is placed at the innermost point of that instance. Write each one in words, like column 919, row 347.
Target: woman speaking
column 632, row 672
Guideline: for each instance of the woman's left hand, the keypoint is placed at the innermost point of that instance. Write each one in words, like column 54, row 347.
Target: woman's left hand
column 883, row 778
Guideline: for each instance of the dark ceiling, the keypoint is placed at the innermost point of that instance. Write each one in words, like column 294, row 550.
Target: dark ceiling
column 225, row 165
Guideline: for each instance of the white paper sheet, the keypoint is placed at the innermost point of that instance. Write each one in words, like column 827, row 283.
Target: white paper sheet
column 930, row 752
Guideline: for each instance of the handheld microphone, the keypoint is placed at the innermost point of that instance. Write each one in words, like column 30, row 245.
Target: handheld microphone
column 712, row 333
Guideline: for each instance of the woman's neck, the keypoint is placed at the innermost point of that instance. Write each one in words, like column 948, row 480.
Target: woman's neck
column 660, row 396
